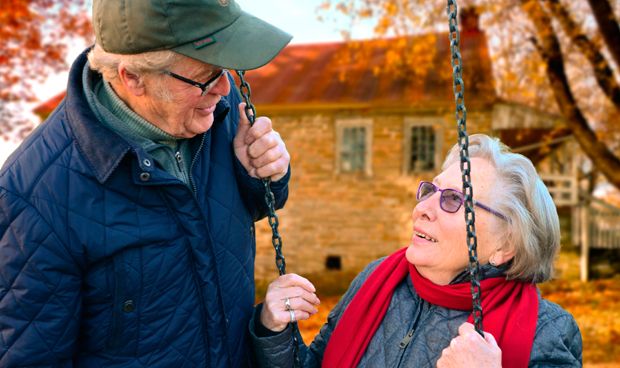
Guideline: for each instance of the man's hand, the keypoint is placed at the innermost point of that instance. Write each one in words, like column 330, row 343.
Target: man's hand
column 469, row 349
column 260, row 148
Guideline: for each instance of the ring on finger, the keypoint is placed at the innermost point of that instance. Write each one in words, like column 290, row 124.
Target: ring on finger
column 287, row 304
column 292, row 313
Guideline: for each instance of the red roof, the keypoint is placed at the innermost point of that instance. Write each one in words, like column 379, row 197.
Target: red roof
column 48, row 106
column 315, row 75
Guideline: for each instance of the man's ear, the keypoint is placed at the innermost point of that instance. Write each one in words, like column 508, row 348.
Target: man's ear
column 132, row 82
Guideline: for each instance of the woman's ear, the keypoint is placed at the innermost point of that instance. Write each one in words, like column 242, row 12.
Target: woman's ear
column 133, row 83
column 502, row 255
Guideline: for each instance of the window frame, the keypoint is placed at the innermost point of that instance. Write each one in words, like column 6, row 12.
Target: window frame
column 425, row 121
column 341, row 125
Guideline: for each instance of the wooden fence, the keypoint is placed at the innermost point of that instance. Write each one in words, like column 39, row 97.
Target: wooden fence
column 598, row 226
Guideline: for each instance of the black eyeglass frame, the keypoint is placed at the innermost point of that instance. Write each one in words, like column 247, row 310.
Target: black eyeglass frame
column 204, row 87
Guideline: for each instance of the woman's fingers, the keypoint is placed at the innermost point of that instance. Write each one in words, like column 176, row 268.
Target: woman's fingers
column 289, row 298
column 302, row 304
column 292, row 279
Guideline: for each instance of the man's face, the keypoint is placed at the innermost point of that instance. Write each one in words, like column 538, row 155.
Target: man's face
column 177, row 107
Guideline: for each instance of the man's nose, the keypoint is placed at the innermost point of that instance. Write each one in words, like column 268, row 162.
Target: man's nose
column 222, row 86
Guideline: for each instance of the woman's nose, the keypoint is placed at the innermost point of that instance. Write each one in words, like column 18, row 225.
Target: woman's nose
column 427, row 209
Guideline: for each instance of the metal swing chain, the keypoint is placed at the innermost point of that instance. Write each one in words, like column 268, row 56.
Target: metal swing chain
column 276, row 239
column 461, row 117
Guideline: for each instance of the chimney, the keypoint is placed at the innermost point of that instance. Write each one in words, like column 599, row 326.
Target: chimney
column 468, row 19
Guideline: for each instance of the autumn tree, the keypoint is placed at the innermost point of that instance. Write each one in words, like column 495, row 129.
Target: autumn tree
column 34, row 35
column 555, row 55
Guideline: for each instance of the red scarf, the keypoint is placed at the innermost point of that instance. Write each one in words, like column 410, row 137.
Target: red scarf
column 510, row 312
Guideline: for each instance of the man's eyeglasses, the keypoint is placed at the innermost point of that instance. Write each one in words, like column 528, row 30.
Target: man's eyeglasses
column 450, row 200
column 204, row 87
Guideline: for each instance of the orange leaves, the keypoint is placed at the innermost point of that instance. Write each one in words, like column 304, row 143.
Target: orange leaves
column 596, row 308
column 34, row 37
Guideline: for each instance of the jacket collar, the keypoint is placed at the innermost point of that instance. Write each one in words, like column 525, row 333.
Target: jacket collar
column 102, row 147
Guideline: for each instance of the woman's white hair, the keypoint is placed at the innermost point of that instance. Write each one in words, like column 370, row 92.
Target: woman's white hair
column 520, row 194
column 148, row 62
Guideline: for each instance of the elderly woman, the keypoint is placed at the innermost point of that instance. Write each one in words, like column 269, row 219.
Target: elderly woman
column 413, row 308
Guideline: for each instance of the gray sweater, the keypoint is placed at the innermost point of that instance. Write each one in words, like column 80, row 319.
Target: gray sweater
column 414, row 332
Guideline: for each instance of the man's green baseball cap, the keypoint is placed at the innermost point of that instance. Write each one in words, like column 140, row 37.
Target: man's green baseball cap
column 216, row 32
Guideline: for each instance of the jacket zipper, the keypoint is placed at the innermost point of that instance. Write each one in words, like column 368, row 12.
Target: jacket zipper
column 195, row 272
column 410, row 334
column 191, row 166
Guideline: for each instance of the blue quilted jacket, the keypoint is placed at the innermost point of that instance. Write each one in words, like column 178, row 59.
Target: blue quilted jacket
column 108, row 261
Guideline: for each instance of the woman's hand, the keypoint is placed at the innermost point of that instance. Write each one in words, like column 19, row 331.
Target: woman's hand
column 469, row 349
column 302, row 302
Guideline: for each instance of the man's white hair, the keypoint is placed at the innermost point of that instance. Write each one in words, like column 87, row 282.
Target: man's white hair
column 148, row 62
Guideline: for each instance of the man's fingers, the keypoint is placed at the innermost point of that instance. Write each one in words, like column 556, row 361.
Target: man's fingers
column 267, row 158
column 244, row 126
column 262, row 126
column 275, row 170
column 263, row 144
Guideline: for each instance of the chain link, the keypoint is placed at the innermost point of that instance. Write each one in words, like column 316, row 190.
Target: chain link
column 276, row 239
column 461, row 117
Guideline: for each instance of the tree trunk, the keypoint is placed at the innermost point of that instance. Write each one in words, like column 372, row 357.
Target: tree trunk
column 549, row 48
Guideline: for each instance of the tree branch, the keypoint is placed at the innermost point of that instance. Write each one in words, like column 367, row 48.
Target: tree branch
column 550, row 51
column 608, row 25
column 602, row 70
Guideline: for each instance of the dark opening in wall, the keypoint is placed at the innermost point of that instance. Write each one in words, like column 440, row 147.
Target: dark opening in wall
column 333, row 263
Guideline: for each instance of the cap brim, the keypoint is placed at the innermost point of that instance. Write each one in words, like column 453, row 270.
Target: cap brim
column 247, row 43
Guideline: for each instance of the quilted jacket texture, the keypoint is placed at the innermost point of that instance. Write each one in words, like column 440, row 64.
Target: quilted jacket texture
column 413, row 333
column 108, row 261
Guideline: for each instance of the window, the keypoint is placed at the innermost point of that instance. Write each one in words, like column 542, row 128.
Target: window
column 422, row 140
column 354, row 139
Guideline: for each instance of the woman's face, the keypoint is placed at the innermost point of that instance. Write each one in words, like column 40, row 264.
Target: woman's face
column 438, row 246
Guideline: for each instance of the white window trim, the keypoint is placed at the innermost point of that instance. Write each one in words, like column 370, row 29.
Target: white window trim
column 341, row 124
column 422, row 121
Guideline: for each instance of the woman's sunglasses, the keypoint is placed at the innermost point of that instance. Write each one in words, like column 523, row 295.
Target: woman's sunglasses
column 450, row 200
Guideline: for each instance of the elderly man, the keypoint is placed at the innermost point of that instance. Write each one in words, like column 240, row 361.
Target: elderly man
column 127, row 218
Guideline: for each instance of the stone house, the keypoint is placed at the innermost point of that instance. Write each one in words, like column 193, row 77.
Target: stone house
column 361, row 140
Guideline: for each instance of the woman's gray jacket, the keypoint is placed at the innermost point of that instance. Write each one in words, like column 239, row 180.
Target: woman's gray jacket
column 414, row 332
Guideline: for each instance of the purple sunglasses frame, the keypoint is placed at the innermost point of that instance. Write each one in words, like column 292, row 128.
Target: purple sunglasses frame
column 441, row 200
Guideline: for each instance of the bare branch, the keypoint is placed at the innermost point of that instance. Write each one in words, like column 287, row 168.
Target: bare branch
column 608, row 25
column 602, row 157
column 602, row 70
